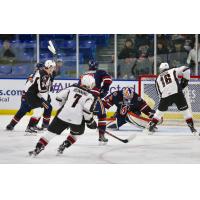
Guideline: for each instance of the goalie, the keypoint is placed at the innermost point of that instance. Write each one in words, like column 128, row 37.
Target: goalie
column 129, row 108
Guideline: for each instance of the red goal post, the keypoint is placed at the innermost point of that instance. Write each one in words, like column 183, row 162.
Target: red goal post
column 147, row 90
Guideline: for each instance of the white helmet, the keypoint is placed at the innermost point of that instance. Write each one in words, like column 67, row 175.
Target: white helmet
column 88, row 81
column 163, row 66
column 49, row 64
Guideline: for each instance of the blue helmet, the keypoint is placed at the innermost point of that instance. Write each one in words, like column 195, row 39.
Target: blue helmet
column 39, row 65
column 93, row 65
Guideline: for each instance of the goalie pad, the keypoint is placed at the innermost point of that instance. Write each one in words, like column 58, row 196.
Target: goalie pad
column 137, row 121
column 113, row 124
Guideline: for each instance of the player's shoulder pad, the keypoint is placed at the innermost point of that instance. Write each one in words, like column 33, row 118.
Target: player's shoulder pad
column 102, row 72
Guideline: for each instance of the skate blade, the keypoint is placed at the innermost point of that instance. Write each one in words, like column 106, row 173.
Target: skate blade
column 30, row 134
column 102, row 143
column 31, row 154
column 59, row 153
column 147, row 132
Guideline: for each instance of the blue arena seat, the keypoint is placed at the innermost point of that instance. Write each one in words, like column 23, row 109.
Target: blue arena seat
column 27, row 37
column 30, row 44
column 5, row 69
column 20, row 71
column 87, row 44
column 70, row 44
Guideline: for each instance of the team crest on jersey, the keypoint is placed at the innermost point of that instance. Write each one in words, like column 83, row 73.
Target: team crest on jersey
column 124, row 109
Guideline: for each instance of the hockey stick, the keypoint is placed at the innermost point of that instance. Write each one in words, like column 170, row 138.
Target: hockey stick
column 121, row 140
column 52, row 50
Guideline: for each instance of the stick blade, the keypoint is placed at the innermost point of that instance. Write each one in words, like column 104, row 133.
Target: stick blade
column 125, row 141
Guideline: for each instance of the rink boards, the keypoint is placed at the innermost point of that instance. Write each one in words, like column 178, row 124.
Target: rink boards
column 11, row 89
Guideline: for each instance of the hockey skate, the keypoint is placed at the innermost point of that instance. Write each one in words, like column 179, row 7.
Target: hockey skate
column 30, row 130
column 102, row 140
column 62, row 147
column 194, row 131
column 36, row 151
column 9, row 127
column 42, row 128
column 150, row 129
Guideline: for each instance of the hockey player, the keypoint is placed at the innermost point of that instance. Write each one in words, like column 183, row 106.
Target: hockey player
column 102, row 83
column 76, row 108
column 171, row 92
column 127, row 102
column 35, row 97
column 47, row 111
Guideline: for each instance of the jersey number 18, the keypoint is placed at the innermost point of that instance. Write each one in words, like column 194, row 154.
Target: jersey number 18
column 166, row 79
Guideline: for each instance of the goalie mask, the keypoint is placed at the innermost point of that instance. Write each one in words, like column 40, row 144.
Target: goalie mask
column 128, row 94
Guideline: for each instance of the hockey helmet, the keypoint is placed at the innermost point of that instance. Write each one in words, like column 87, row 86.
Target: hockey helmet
column 49, row 64
column 39, row 65
column 93, row 65
column 128, row 93
column 88, row 81
column 163, row 66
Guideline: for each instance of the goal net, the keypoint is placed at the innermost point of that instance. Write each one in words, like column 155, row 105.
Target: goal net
column 147, row 90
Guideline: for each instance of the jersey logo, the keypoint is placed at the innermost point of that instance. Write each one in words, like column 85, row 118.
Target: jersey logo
column 124, row 109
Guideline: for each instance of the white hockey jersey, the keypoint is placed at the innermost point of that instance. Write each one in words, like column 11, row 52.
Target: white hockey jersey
column 76, row 103
column 167, row 82
column 39, row 84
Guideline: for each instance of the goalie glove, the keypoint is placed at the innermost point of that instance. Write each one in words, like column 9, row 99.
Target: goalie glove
column 91, row 124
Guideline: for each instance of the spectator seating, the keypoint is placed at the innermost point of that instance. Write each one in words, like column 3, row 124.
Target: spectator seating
column 20, row 71
column 5, row 70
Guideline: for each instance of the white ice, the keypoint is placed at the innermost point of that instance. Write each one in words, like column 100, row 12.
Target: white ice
column 168, row 145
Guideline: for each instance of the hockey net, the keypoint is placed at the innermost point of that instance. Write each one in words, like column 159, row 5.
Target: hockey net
column 147, row 90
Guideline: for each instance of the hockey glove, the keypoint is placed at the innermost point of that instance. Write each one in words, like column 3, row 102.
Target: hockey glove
column 45, row 104
column 184, row 83
column 49, row 99
column 23, row 98
column 91, row 124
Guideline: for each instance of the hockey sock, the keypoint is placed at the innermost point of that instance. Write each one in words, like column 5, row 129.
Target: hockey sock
column 101, row 126
column 71, row 139
column 190, row 122
column 46, row 121
column 14, row 121
column 41, row 143
column 33, row 121
column 18, row 117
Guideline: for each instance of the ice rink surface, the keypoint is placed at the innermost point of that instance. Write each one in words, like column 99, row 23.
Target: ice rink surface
column 168, row 145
